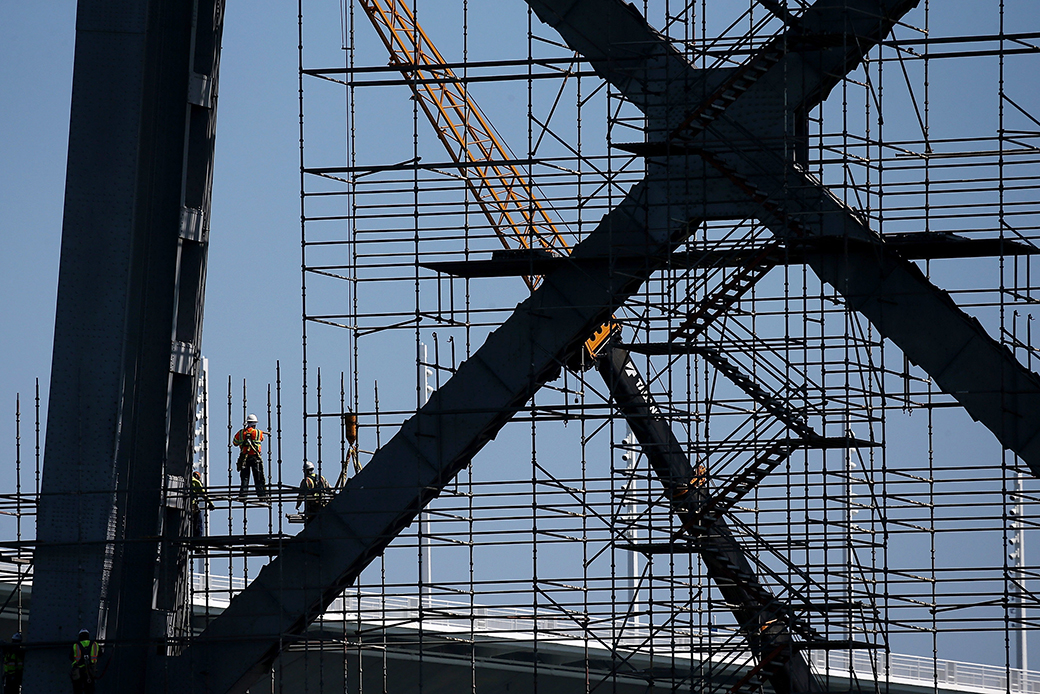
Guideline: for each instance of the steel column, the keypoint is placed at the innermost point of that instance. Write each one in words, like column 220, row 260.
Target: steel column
column 763, row 620
column 127, row 332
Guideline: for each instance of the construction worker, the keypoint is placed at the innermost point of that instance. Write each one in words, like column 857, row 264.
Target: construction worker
column 314, row 492
column 14, row 665
column 198, row 499
column 249, row 440
column 84, row 663
column 350, row 436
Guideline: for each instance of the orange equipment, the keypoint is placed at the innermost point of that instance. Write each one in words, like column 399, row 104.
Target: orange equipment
column 499, row 187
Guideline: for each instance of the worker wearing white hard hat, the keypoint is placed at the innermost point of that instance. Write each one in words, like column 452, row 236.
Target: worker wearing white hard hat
column 314, row 492
column 249, row 440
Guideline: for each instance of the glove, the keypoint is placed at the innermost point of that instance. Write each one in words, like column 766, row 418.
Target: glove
column 212, row 506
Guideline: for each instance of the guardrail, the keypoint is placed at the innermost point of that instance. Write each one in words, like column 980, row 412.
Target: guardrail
column 519, row 623
column 919, row 670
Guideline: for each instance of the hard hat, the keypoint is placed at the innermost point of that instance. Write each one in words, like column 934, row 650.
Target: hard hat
column 17, row 638
column 251, row 419
column 308, row 466
column 197, row 475
column 84, row 634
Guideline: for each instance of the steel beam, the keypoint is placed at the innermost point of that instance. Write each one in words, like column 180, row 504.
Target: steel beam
column 763, row 620
column 923, row 245
column 485, row 392
column 127, row 330
column 920, row 318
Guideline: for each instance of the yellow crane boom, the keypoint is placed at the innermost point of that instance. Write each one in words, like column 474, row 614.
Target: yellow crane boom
column 499, row 187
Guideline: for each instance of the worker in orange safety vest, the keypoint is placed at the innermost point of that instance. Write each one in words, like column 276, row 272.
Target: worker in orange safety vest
column 249, row 440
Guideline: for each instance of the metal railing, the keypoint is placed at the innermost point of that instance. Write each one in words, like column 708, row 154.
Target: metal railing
column 453, row 616
column 912, row 669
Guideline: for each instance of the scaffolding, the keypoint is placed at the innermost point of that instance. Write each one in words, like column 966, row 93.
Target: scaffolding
column 845, row 506
column 859, row 503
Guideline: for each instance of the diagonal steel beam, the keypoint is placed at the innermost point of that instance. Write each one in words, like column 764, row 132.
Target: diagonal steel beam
column 902, row 303
column 516, row 360
column 610, row 34
column 815, row 53
column 619, row 44
column 763, row 619
column 429, row 450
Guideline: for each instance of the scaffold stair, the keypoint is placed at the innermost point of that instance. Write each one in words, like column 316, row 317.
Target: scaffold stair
column 742, row 79
column 728, row 293
column 771, row 402
column 740, row 484
column 760, row 602
column 750, row 601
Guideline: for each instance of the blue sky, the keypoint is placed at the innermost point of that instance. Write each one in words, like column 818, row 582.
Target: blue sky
column 255, row 228
column 255, row 219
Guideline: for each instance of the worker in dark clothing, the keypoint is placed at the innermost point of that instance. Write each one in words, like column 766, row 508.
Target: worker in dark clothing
column 314, row 492
column 199, row 498
column 14, row 665
column 350, row 435
column 249, row 440
column 84, row 663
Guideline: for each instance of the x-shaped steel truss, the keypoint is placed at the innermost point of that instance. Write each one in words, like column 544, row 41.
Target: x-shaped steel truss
column 733, row 155
column 720, row 144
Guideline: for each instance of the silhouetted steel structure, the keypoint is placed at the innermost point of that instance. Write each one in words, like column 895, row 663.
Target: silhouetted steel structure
column 110, row 555
column 726, row 146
